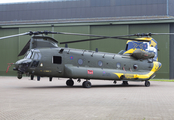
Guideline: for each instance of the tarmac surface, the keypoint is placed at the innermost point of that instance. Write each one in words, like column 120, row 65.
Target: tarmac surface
column 43, row 100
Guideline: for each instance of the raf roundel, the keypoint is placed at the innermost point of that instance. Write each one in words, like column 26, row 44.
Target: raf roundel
column 71, row 57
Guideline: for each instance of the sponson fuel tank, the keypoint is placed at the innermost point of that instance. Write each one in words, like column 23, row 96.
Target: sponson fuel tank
column 139, row 54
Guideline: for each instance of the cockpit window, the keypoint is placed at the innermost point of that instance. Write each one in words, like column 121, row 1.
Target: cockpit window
column 29, row 55
column 37, row 56
column 33, row 55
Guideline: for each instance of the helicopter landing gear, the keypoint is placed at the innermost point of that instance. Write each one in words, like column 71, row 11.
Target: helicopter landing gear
column 38, row 78
column 147, row 83
column 79, row 80
column 125, row 83
column 70, row 82
column 19, row 75
column 86, row 84
column 50, row 79
column 32, row 77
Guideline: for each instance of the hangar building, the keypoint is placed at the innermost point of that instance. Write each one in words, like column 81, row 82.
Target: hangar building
column 101, row 17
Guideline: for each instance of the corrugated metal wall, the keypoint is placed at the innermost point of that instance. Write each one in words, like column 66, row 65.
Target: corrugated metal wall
column 83, row 9
column 171, row 64
column 9, row 48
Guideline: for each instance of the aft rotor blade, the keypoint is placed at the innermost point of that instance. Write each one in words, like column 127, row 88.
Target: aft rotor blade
column 26, row 33
column 162, row 33
column 150, row 34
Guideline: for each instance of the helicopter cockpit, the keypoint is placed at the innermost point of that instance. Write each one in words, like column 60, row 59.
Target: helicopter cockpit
column 31, row 59
column 33, row 54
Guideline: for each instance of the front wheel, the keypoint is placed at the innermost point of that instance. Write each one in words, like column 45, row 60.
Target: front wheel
column 19, row 75
column 70, row 82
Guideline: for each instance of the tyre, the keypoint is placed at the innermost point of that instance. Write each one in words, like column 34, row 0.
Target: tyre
column 69, row 82
column 147, row 83
column 86, row 84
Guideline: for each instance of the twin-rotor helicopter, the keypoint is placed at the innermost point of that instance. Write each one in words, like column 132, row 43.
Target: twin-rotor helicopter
column 43, row 58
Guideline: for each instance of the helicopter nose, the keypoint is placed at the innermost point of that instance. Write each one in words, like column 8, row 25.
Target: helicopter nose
column 22, row 65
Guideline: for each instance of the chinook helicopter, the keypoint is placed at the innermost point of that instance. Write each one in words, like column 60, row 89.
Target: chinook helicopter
column 43, row 58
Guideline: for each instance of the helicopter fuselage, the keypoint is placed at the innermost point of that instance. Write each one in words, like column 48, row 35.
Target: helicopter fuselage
column 86, row 64
column 138, row 62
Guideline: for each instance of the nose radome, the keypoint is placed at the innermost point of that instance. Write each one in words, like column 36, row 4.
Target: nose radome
column 23, row 61
column 22, row 65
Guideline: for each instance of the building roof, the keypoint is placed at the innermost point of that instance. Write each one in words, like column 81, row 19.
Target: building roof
column 89, row 20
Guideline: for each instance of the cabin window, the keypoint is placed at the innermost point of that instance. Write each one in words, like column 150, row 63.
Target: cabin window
column 118, row 65
column 100, row 63
column 135, row 66
column 80, row 61
column 57, row 59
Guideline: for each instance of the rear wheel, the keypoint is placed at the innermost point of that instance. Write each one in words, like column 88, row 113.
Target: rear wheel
column 86, row 84
column 125, row 83
column 147, row 83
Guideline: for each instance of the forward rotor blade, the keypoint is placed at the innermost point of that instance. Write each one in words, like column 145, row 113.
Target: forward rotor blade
column 82, row 40
column 26, row 33
column 90, row 35
column 25, row 49
column 100, row 37
column 63, row 33
column 104, row 38
column 78, row 34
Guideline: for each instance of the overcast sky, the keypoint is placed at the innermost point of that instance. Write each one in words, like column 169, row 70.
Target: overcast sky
column 19, row 1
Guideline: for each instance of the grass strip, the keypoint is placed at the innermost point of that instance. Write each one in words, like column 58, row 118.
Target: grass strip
column 162, row 80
